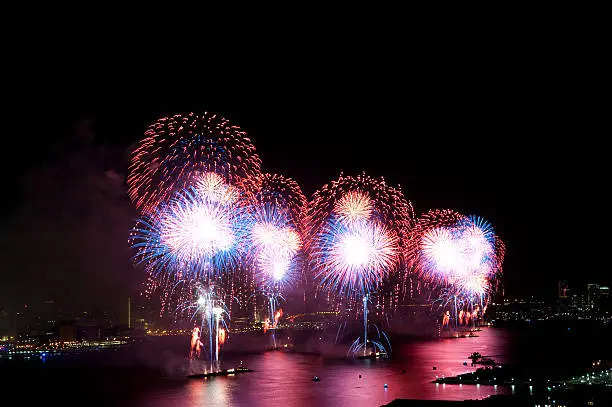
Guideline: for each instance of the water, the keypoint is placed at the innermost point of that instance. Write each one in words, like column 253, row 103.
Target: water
column 285, row 378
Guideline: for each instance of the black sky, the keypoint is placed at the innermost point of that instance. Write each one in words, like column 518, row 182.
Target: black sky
column 517, row 136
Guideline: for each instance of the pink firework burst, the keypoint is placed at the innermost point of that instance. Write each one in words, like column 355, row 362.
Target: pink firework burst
column 274, row 245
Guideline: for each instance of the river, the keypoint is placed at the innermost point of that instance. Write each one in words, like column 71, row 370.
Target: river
column 285, row 378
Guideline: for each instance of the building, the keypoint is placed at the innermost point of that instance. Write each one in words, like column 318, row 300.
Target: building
column 598, row 296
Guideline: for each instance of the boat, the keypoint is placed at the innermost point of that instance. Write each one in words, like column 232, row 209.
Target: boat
column 372, row 355
column 463, row 335
column 224, row 372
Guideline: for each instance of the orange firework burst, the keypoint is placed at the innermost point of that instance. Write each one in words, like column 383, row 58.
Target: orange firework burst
column 354, row 206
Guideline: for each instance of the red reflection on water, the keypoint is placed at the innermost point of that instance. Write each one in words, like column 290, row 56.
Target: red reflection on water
column 285, row 379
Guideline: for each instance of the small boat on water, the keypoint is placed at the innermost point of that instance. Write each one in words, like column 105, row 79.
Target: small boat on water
column 225, row 372
column 372, row 355
column 464, row 335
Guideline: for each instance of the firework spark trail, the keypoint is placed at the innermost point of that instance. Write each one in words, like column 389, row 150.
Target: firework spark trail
column 207, row 304
column 178, row 149
column 357, row 257
column 283, row 193
column 276, row 216
column 275, row 245
column 446, row 318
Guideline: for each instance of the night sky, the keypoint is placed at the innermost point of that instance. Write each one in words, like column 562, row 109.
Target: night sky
column 519, row 142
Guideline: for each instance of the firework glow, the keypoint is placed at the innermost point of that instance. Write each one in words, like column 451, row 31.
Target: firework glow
column 355, row 257
column 196, row 233
column 211, row 224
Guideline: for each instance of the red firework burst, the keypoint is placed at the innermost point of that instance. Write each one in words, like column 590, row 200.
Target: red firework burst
column 177, row 149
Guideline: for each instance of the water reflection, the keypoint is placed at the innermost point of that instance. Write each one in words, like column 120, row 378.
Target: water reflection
column 206, row 392
column 285, row 379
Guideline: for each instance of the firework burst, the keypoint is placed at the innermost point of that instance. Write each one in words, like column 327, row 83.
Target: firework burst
column 283, row 193
column 362, row 196
column 355, row 257
column 198, row 235
column 213, row 188
column 460, row 256
column 192, row 234
column 462, row 253
column 356, row 227
column 176, row 150
column 274, row 245
column 355, row 205
column 276, row 209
